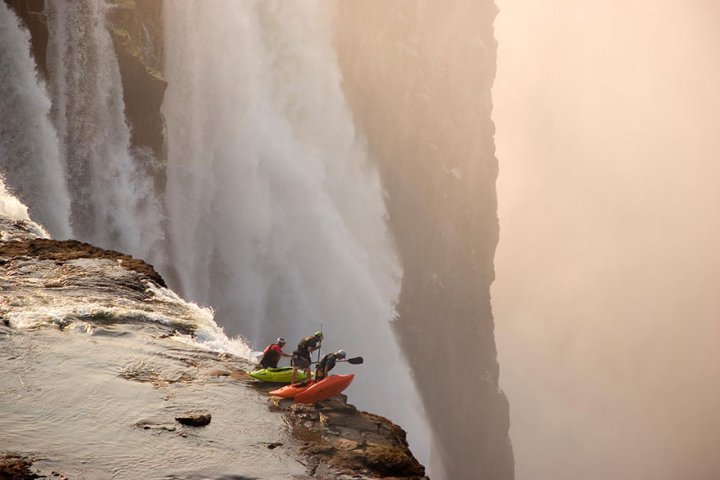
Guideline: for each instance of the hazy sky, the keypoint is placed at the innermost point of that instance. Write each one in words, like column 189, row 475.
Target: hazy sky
column 607, row 298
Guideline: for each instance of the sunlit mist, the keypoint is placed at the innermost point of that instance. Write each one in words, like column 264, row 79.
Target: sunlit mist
column 607, row 300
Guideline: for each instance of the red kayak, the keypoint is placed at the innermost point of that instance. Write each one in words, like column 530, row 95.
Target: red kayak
column 289, row 391
column 324, row 389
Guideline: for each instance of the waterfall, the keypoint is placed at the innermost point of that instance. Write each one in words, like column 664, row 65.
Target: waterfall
column 29, row 148
column 275, row 216
column 114, row 204
column 272, row 215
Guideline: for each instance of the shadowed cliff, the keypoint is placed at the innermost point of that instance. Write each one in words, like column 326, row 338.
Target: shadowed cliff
column 418, row 76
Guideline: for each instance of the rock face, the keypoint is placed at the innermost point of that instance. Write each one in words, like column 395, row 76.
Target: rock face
column 341, row 440
column 195, row 419
column 136, row 28
column 66, row 250
column 418, row 76
column 331, row 440
column 15, row 467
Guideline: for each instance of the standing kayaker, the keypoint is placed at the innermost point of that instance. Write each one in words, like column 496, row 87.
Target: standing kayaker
column 328, row 363
column 273, row 353
column 301, row 357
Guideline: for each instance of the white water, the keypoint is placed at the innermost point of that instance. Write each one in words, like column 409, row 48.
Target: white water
column 17, row 212
column 275, row 217
column 33, row 305
column 29, row 150
column 114, row 204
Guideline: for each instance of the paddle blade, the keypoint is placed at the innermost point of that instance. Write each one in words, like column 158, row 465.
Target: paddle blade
column 355, row 360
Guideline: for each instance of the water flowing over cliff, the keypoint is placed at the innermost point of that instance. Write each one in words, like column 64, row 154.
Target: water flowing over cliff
column 113, row 202
column 29, row 146
column 98, row 358
column 290, row 184
column 85, row 173
column 275, row 216
column 106, row 373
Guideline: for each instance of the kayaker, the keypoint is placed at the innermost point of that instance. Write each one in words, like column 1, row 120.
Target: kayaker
column 328, row 363
column 301, row 357
column 273, row 353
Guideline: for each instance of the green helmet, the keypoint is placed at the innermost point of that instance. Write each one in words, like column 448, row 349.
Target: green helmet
column 318, row 335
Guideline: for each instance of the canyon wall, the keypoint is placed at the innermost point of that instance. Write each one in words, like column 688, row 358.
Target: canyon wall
column 418, row 76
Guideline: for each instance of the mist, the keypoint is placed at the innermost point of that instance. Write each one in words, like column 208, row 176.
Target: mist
column 608, row 271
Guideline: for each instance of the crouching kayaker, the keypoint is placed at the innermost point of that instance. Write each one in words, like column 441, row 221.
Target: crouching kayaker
column 327, row 363
column 273, row 353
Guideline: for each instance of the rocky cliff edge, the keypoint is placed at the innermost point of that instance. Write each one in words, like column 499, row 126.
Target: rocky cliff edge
column 333, row 439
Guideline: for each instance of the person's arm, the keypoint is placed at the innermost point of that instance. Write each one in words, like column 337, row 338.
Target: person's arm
column 280, row 352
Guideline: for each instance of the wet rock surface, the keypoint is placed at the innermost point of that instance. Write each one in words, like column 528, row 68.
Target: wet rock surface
column 15, row 467
column 66, row 250
column 329, row 440
column 341, row 442
column 18, row 467
column 194, row 419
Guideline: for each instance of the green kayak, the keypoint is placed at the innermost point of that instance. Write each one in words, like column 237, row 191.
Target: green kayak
column 277, row 375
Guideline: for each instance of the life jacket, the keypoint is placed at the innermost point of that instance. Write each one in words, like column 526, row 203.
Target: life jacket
column 327, row 360
column 269, row 348
column 303, row 348
column 271, row 356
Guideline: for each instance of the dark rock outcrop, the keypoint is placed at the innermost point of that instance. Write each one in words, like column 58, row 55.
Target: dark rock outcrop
column 194, row 419
column 339, row 442
column 15, row 467
column 332, row 439
column 66, row 250
column 339, row 439
column 136, row 29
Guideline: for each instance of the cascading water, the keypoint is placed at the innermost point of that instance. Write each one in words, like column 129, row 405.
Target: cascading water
column 13, row 210
column 274, row 216
column 29, row 148
column 114, row 204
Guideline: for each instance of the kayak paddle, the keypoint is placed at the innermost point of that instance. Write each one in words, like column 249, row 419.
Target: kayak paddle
column 354, row 360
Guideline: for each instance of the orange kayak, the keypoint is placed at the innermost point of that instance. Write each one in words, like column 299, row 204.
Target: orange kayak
column 289, row 391
column 324, row 389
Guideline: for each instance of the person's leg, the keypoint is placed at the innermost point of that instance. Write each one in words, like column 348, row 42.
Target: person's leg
column 301, row 363
column 293, row 362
